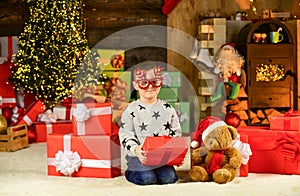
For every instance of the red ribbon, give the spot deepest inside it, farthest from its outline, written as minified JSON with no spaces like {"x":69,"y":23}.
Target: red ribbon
{"x":288,"y":145}
{"x":10,"y":49}
{"x":291,"y":113}
{"x":215,"y":162}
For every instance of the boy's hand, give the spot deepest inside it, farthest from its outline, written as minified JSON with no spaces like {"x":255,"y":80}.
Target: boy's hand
{"x":140,"y":154}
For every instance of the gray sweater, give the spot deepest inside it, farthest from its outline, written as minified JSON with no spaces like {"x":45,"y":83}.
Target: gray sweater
{"x":140,"y":120}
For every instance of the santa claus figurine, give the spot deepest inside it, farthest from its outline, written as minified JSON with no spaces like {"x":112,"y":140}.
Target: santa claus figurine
{"x":229,"y":65}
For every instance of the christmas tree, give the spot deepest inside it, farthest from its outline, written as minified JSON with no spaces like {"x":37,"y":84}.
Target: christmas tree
{"x":51,"y":48}
{"x":89,"y":77}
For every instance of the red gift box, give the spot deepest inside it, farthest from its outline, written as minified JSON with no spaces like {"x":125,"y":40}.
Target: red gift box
{"x":97,"y":156}
{"x":165,"y":150}
{"x":244,"y":148}
{"x":92,"y":119}
{"x":9,"y":46}
{"x":62,"y":112}
{"x":42,"y":129}
{"x":32,"y":113}
{"x":273,"y":151}
{"x":285,"y":123}
{"x":7,"y":92}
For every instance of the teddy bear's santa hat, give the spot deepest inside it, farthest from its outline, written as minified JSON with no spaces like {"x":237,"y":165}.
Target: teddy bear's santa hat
{"x":205,"y":126}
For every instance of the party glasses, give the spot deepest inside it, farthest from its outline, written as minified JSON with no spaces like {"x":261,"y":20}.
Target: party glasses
{"x":155,"y":82}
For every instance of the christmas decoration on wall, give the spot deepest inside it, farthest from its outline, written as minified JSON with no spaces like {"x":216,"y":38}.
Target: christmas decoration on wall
{"x":51,"y":47}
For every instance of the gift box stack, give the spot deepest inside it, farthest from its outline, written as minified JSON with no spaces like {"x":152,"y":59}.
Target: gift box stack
{"x":171,"y":85}
{"x":172,"y":82}
{"x":275,"y":148}
{"x":93,"y":147}
{"x":17,"y":109}
{"x":58,"y":120}
{"x":117,"y":88}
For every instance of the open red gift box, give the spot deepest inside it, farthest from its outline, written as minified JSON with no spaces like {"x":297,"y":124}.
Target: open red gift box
{"x":97,"y":156}
{"x":164,"y":150}
{"x":32,"y":113}
{"x":273,"y":151}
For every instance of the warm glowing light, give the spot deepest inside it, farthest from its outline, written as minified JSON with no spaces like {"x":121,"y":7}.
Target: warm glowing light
{"x":52,"y":46}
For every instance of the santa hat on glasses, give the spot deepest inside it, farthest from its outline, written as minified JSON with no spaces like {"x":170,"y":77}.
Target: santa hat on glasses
{"x":206,"y":125}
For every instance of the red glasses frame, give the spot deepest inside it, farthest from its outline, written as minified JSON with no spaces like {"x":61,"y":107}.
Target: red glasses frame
{"x":155,"y":82}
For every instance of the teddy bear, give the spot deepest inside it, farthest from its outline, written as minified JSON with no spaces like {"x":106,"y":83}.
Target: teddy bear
{"x":229,"y":66}
{"x":213,"y":157}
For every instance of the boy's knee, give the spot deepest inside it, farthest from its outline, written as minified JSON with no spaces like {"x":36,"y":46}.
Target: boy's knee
{"x":141,"y":178}
{"x":147,"y":178}
{"x":167,"y":175}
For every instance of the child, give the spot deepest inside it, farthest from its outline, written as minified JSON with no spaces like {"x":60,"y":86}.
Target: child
{"x":147,"y":116}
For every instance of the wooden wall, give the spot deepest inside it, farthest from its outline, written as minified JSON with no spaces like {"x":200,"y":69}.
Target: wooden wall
{"x":106,"y":17}
{"x":102,"y":19}
{"x":186,"y":15}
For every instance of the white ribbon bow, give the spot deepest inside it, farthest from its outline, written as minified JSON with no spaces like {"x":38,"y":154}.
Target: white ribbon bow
{"x":243,"y":148}
{"x":81,"y":113}
{"x":48,"y":117}
{"x":67,"y":162}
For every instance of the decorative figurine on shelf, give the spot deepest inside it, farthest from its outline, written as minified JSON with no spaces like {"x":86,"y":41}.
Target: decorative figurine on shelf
{"x":238,"y":16}
{"x":229,"y":65}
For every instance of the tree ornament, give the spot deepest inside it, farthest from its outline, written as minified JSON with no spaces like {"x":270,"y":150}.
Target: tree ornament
{"x":232,"y":119}
{"x":3,"y":124}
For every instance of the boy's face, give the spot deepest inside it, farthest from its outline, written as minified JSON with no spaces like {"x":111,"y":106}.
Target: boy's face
{"x":148,"y":88}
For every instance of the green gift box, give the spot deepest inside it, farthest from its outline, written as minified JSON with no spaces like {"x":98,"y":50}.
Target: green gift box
{"x":124,"y":83}
{"x":183,"y":112}
{"x":172,"y":79}
{"x":168,"y":94}
{"x":111,"y":60}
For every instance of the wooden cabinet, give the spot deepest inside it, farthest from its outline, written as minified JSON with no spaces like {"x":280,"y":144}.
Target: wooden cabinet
{"x":270,"y":67}
{"x":294,"y":27}
{"x":268,"y":86}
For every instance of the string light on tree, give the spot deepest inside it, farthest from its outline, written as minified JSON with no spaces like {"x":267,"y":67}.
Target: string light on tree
{"x":89,"y":76}
{"x":51,"y":48}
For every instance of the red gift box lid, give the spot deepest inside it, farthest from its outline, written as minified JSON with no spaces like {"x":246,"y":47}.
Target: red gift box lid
{"x":165,"y":150}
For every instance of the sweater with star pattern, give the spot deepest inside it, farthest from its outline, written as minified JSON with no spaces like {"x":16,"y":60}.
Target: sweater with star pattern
{"x":140,"y":120}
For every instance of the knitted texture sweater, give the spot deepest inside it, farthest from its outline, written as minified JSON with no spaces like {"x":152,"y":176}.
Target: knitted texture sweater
{"x":140,"y":120}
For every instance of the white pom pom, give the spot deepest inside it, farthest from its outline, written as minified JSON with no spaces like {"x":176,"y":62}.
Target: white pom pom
{"x":194,"y":144}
